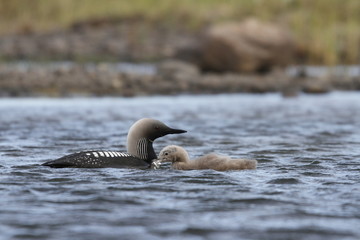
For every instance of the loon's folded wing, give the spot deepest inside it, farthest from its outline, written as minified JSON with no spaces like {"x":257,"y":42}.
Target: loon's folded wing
{"x":98,"y":159}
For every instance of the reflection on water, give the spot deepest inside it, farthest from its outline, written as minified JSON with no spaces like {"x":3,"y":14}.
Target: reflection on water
{"x":321,"y":71}
{"x":150,"y":69}
{"x":140,"y":68}
{"x":307,"y":184}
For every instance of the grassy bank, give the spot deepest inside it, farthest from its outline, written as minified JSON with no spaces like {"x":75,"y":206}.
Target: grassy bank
{"x":327,"y":31}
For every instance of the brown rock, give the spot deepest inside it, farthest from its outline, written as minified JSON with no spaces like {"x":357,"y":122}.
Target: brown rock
{"x":177,"y":69}
{"x":316,"y":85}
{"x":250,"y":46}
{"x":177,"y":76}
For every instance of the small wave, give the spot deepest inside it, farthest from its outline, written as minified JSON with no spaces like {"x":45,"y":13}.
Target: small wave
{"x":260,"y":201}
{"x":307,"y":233}
{"x":284,"y":181}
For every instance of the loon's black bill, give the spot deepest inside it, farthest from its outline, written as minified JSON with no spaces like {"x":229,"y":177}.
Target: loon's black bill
{"x":176,"y":131}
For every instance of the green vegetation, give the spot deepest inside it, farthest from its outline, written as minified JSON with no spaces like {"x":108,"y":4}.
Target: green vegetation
{"x":327,"y":31}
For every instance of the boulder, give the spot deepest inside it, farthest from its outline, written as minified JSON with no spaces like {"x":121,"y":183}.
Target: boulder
{"x":177,"y":70}
{"x":249,"y":46}
{"x":178,"y":76}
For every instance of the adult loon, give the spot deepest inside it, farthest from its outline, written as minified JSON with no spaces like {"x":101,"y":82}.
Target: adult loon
{"x":140,"y":151}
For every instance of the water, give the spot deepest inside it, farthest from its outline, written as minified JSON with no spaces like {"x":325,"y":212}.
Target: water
{"x":324,"y":71}
{"x":124,"y":67}
{"x":150,"y":69}
{"x":307,"y":185}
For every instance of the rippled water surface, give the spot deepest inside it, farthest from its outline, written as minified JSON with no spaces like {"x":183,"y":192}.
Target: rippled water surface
{"x":307,"y":185}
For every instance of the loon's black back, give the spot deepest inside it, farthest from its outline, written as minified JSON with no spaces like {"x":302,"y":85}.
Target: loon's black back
{"x":98,"y":159}
{"x":139,"y":145}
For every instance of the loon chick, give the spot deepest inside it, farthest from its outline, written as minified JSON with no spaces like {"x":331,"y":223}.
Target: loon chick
{"x":180,"y":160}
{"x":140,"y":151}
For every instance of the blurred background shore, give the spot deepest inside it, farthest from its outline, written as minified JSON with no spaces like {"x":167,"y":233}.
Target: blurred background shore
{"x":144,"y":47}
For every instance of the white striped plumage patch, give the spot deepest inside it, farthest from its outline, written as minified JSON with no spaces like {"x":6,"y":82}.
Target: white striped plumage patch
{"x":111,"y":154}
{"x":142,"y":150}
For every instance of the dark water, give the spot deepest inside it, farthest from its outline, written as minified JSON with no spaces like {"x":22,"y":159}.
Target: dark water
{"x":150,"y":69}
{"x":307,"y":185}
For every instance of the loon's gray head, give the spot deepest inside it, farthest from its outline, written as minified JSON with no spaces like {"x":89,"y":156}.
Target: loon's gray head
{"x":142,"y":134}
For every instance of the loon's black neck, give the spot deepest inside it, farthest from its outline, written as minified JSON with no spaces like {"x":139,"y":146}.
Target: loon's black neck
{"x":145,"y":150}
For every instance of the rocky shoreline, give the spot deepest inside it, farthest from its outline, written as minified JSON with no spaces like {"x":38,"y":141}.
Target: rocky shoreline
{"x":168,"y":77}
{"x":126,"y":40}
{"x":249,"y":56}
